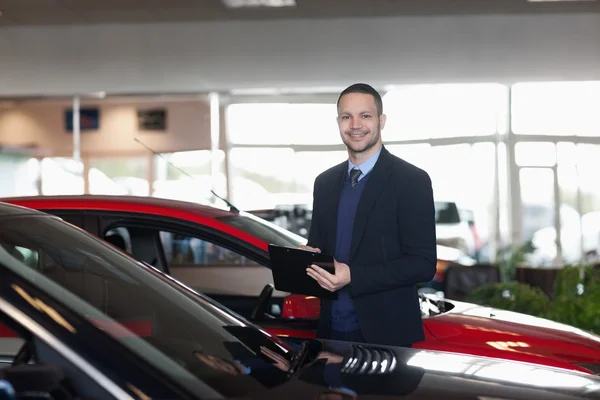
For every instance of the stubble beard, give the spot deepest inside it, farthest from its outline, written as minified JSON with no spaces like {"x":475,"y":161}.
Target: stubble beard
{"x":355,"y":152}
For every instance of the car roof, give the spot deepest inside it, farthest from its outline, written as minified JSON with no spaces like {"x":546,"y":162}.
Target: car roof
{"x":108,"y":202}
{"x":203,"y":214}
{"x":11,"y":210}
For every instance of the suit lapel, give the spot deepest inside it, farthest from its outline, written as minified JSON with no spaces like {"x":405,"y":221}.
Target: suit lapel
{"x":373,"y":188}
{"x":334,"y":202}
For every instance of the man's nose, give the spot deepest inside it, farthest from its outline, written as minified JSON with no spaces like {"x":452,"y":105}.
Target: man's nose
{"x":356,"y":123}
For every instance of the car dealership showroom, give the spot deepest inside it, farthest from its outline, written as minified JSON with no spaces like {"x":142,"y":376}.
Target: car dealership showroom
{"x":312,"y":199}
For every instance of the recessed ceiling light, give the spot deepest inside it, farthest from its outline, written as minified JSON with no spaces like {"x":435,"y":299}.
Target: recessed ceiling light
{"x":258,"y":3}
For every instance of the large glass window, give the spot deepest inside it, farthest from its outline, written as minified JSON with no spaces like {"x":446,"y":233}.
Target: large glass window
{"x":442,"y":111}
{"x":62,"y":176}
{"x":537,"y":197}
{"x":187,"y":176}
{"x":111,"y":175}
{"x":577,"y":172}
{"x":535,"y":154}
{"x":259,"y":173}
{"x":463,"y":179}
{"x":556,"y":108}
{"x":20,"y":175}
{"x":282,"y":124}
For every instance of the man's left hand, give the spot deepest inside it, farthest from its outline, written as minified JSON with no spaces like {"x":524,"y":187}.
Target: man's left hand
{"x":328,"y":281}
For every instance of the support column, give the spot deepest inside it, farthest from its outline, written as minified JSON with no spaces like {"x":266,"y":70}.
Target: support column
{"x":515,"y":209}
{"x":496,"y":242}
{"x":151,"y":173}
{"x":40,"y":182}
{"x":557,"y":221}
{"x":86,"y":174}
{"x":580,"y":212}
{"x":215,"y":130}
{"x":77,"y":142}
{"x":76,"y":130}
{"x":227,"y":149}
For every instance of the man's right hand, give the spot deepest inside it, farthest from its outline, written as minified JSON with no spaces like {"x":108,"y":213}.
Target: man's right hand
{"x":308,"y":248}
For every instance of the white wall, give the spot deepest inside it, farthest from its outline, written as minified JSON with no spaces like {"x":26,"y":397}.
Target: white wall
{"x":222,"y":55}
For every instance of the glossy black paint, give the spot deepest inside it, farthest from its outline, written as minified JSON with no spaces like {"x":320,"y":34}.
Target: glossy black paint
{"x":9,"y":209}
{"x":111,"y":358}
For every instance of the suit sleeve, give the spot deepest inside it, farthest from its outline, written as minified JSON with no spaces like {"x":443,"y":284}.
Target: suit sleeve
{"x":416,"y":229}
{"x":314,"y":234}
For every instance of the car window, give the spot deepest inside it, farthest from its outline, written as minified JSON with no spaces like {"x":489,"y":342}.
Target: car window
{"x":184,"y":250}
{"x":120,"y":238}
{"x":22,"y":347}
{"x":30,"y":257}
{"x":264,"y":230}
{"x":446,"y":213}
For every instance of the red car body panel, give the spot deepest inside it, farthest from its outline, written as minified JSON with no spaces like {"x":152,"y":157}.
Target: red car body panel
{"x":467,"y":328}
{"x":201,"y":214}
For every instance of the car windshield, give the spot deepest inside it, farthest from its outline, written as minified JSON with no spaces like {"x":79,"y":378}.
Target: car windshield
{"x":446,"y":213}
{"x":264,"y":230}
{"x":175,"y":329}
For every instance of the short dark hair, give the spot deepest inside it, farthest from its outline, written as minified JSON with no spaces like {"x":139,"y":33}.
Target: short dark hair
{"x":364,"y":89}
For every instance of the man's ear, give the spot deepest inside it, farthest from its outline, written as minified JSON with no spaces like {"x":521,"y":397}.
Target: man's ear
{"x":382,"y":120}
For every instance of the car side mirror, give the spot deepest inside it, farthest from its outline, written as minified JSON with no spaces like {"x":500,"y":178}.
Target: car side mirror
{"x":297,"y":306}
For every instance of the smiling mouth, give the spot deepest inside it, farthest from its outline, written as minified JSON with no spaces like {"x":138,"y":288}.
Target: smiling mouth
{"x":357,"y":135}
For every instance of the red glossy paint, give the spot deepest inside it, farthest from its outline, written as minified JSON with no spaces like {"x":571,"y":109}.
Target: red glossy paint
{"x":200,"y":214}
{"x":476,"y":330}
{"x":6,"y":333}
{"x":467,"y":328}
{"x":301,"y":307}
{"x":438,"y":345}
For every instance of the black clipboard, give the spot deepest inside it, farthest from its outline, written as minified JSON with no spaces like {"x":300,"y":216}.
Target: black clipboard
{"x":288,"y":266}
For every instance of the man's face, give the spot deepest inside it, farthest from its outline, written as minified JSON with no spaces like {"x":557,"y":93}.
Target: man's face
{"x":359,"y":123}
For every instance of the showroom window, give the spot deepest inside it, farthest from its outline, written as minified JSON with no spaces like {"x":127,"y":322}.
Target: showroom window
{"x":443,"y":111}
{"x":282,"y":124}
{"x":114,"y":175}
{"x":556,"y":108}
{"x":173,"y":170}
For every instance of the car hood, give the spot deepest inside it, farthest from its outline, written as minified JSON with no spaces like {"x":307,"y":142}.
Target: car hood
{"x":350,"y":370}
{"x":448,"y":231}
{"x":475,"y":325}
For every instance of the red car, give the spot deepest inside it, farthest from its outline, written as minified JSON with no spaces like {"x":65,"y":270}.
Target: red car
{"x":223,"y":253}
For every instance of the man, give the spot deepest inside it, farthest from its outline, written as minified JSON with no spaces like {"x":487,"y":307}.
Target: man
{"x":375,"y":214}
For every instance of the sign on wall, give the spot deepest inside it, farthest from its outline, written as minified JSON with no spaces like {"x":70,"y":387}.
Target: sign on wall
{"x":152,"y":120}
{"x":89,"y":119}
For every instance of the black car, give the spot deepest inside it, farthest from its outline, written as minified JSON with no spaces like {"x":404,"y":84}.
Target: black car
{"x":79,"y":319}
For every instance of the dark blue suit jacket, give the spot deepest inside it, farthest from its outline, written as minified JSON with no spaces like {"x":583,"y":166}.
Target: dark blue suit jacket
{"x":393,"y":247}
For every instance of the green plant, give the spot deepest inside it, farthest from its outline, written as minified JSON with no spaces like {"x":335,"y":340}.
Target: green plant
{"x":577,"y":298}
{"x":576,"y":301}
{"x":512,"y":296}
{"x":510,"y":257}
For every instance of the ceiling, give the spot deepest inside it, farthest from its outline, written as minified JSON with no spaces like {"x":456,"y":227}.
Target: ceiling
{"x":62,"y":12}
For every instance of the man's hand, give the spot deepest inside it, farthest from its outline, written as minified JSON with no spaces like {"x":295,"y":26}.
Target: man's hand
{"x":328,"y":281}
{"x":278,"y":361}
{"x":308,"y":248}
{"x":330,"y":358}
